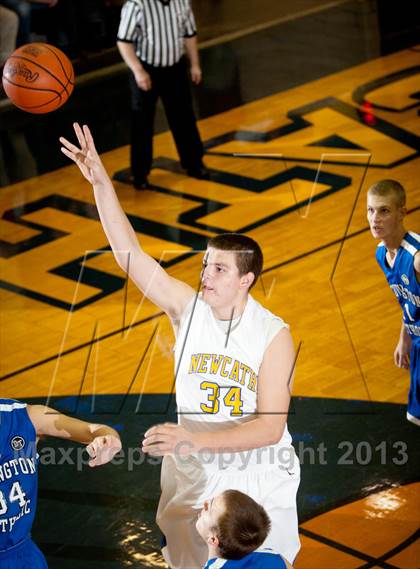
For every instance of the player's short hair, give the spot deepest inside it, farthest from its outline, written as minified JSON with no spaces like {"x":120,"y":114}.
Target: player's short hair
{"x":249,"y":257}
{"x":243,"y":527}
{"x":389,"y":187}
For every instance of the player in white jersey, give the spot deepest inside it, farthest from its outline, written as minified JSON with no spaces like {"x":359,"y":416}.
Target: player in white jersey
{"x":234,"y":366}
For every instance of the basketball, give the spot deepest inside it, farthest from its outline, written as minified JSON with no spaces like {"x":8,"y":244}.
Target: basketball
{"x":38,"y":78}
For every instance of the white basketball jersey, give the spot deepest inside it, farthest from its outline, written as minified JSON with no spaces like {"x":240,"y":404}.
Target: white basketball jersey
{"x":217,"y":365}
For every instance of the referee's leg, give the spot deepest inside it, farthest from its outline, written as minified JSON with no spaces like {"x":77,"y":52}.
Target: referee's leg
{"x":177,"y":100}
{"x":143,"y":105}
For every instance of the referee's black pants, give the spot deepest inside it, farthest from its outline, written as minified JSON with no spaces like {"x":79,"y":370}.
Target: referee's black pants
{"x":171,"y":84}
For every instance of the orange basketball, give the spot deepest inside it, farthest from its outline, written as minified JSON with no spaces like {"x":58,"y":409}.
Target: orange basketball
{"x":38,"y":78}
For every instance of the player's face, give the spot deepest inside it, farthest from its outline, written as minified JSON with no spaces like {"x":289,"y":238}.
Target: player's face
{"x":209,"y":516}
{"x":384,"y":215}
{"x":220,"y":278}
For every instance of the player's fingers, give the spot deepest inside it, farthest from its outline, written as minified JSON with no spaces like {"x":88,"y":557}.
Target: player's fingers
{"x":90,"y":449}
{"x":84,"y":163}
{"x":80,"y":136}
{"x":89,"y":139}
{"x":160,"y":429}
{"x":72,"y":147}
{"x":92,"y":463}
{"x":100,"y":444}
{"x":153,"y":439}
{"x":151,"y":431}
{"x":157,"y":450}
{"x":158,"y":442}
{"x":69,"y":154}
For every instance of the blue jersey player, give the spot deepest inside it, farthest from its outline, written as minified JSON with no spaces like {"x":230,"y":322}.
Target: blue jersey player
{"x":20,"y":427}
{"x":234,"y":527}
{"x":398,"y":255}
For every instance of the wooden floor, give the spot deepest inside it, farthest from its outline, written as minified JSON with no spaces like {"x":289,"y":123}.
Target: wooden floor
{"x":305,"y":204}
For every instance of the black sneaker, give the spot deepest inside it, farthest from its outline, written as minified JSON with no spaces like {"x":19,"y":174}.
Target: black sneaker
{"x":201,"y":173}
{"x":141,"y":184}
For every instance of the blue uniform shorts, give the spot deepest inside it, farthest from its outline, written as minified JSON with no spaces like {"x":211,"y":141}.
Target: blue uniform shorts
{"x":25,"y":555}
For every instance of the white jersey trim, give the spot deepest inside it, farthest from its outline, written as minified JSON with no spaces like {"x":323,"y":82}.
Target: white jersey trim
{"x":217,"y":564}
{"x":413,"y":419}
{"x":11,"y":407}
{"x":415,"y":236}
{"x":408,"y":247}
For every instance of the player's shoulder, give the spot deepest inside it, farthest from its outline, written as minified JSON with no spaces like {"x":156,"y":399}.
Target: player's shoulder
{"x":262,"y":559}
{"x":411,"y":242}
{"x":380,"y":252}
{"x":268,"y":559}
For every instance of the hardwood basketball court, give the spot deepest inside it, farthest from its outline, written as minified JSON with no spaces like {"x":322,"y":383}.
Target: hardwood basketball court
{"x":291,"y":170}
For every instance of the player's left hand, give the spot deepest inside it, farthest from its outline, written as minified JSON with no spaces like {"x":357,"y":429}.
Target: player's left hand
{"x":196,"y":74}
{"x":103,"y":449}
{"x":168,"y":438}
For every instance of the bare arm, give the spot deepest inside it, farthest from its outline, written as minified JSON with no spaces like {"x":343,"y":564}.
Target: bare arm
{"x":274,"y":392}
{"x":170,"y":294}
{"x":402,"y":351}
{"x":103,"y":441}
{"x":191,"y":47}
{"x":128,"y":53}
{"x":417,"y":265}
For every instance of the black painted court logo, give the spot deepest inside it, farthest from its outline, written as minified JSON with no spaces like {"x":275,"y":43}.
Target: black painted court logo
{"x":17,"y":443}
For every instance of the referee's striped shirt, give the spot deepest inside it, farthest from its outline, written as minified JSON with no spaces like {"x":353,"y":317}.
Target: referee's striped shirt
{"x":157,"y":28}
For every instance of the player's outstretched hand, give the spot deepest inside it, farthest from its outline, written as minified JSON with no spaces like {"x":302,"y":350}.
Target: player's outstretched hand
{"x":86,"y":157}
{"x":168,"y":438}
{"x":103,"y":449}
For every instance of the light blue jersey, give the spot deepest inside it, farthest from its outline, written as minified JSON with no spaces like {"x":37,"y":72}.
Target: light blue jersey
{"x":403,"y":281}
{"x":18,"y":487}
{"x":263,"y":559}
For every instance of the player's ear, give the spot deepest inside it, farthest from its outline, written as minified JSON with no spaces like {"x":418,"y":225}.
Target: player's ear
{"x":213,"y":540}
{"x":403,"y":212}
{"x":247,"y":280}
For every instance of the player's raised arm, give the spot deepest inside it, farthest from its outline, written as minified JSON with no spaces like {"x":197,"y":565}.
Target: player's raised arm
{"x":102,"y":442}
{"x":166,"y":292}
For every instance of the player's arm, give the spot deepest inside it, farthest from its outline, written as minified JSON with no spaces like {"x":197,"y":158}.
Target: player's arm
{"x":417,"y":265}
{"x":274,"y":392}
{"x":102,"y":442}
{"x":402,"y":351}
{"x":166,"y":292}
